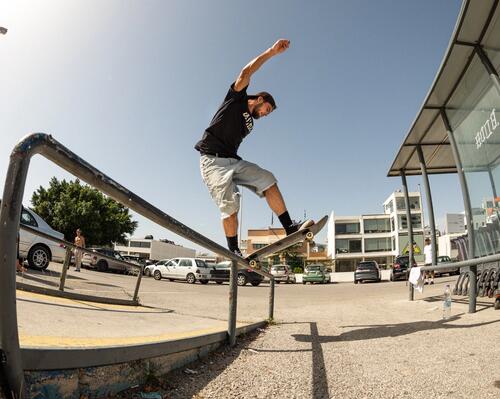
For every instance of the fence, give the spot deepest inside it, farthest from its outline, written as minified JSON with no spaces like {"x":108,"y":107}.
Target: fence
{"x":47,"y":146}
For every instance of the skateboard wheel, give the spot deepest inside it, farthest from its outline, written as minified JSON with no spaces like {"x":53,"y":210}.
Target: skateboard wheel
{"x":253,"y":264}
{"x":309,"y":235}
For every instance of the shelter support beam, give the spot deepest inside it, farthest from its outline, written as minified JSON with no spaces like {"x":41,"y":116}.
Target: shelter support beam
{"x":468,"y":210}
{"x":489,"y":67}
{"x":411,"y":290}
{"x":430,"y":205}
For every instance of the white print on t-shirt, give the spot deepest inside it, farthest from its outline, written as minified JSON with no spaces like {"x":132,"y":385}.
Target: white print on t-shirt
{"x":248,"y":121}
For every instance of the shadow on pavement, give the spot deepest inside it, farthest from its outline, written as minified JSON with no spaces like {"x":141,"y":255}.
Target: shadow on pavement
{"x":40,"y":280}
{"x":465,"y":301}
{"x":90,"y":306}
{"x":389,"y":330}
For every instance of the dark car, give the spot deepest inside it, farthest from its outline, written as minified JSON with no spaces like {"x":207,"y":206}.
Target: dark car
{"x":449,"y":270}
{"x":367,"y":271}
{"x":220,"y":273}
{"x":400,"y":267}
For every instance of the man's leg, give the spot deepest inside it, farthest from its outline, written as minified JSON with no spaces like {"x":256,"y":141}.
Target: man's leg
{"x":275,"y":200}
{"x":277,"y":204}
{"x":230,"y":225}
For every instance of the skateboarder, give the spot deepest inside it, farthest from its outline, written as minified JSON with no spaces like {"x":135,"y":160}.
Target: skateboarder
{"x":223,"y":170}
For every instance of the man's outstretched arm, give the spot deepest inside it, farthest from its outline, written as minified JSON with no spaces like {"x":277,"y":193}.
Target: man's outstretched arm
{"x":252,"y":67}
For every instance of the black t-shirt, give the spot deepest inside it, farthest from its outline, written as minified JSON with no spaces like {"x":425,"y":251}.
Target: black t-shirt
{"x":230,"y":125}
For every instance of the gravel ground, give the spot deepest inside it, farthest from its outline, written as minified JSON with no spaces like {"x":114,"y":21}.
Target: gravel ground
{"x":373,"y":346}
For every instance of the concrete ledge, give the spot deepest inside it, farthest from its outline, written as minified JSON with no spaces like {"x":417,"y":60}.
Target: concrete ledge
{"x":73,"y":295}
{"x":64,"y":358}
{"x":100,"y":372}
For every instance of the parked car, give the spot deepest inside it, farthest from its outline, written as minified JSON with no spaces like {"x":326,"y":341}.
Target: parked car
{"x":188,"y":269}
{"x":449,"y":270}
{"x":367,"y":271}
{"x":96,"y":260}
{"x":39,"y":251}
{"x":316,"y":273}
{"x":148,"y":269}
{"x":283,"y":273}
{"x":399,"y":268}
{"x":221,"y":271}
{"x":134,"y":259}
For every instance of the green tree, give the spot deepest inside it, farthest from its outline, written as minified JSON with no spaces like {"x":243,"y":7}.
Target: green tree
{"x":67,"y":206}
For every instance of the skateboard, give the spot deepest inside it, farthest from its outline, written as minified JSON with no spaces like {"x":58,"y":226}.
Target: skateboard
{"x":306,"y":234}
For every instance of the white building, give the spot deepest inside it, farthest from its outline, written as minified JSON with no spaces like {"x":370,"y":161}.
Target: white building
{"x":379,"y":237}
{"x":154,"y":249}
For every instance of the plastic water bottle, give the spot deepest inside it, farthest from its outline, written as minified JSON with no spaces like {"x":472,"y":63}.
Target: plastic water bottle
{"x":447,"y":302}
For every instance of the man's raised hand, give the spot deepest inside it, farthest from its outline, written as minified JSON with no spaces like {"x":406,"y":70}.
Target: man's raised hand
{"x":280,"y":46}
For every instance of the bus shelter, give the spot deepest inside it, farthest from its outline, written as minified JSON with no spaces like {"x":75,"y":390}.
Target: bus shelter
{"x":457,"y":131}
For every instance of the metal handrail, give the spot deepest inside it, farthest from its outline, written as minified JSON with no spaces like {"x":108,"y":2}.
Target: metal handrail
{"x":464,"y":263}
{"x":45,"y":145}
{"x":70,"y":245}
{"x":73,"y":246}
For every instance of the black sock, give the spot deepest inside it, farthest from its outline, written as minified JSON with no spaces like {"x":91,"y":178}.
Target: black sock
{"x":232,"y":242}
{"x":285,"y":220}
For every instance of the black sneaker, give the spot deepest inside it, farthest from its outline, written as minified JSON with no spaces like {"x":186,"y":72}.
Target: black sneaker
{"x":296,"y":226}
{"x":237,"y":252}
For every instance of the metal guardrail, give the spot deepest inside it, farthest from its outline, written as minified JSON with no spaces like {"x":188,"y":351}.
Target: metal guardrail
{"x":71,"y":246}
{"x":45,"y":145}
{"x":464,"y":263}
{"x":470,"y":263}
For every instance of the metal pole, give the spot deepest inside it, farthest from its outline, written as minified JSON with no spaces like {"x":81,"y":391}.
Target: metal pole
{"x":138,"y":284}
{"x":10,"y":353}
{"x":65,"y":268}
{"x":489,"y":66}
{"x":241,"y":220}
{"x":467,"y":208}
{"x":411,"y":290}
{"x":233,"y":303}
{"x":493,"y":186}
{"x":47,"y":146}
{"x":430,"y":206}
{"x":271,"y":299}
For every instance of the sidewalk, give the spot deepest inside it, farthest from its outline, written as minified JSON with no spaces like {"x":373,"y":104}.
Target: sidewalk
{"x":373,"y":343}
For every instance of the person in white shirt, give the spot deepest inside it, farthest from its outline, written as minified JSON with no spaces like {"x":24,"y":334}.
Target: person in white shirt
{"x":429,"y":275}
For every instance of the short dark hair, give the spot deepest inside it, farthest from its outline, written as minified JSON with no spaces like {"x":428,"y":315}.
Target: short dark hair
{"x":266,"y":97}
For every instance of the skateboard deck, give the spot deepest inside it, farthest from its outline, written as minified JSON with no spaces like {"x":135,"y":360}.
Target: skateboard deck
{"x":306,"y":234}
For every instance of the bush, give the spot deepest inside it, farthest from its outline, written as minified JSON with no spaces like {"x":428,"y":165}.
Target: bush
{"x":298,"y":270}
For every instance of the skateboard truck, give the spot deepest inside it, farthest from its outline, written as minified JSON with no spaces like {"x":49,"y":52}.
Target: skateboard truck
{"x":254,"y":264}
{"x":309,"y":236}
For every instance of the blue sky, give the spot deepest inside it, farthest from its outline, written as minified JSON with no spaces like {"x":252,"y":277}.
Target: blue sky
{"x":130,"y":87}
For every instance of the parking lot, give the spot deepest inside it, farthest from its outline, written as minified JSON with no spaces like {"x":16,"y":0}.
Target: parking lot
{"x":336,"y":340}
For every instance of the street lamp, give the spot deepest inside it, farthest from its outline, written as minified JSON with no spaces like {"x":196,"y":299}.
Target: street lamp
{"x":3,"y":30}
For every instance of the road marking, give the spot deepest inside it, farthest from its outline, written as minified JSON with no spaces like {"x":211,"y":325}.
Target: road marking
{"x":91,"y":342}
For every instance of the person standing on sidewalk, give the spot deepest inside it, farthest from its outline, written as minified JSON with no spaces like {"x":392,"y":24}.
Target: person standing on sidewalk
{"x":223,"y":170}
{"x":429,"y":274}
{"x":79,"y":243}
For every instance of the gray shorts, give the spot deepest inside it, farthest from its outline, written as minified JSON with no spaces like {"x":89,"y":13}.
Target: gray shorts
{"x":223,"y":176}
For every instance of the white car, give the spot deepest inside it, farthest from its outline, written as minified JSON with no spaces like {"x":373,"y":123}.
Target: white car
{"x":39,"y":251}
{"x":188,"y":269}
{"x":283,"y":273}
{"x":148,"y":269}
